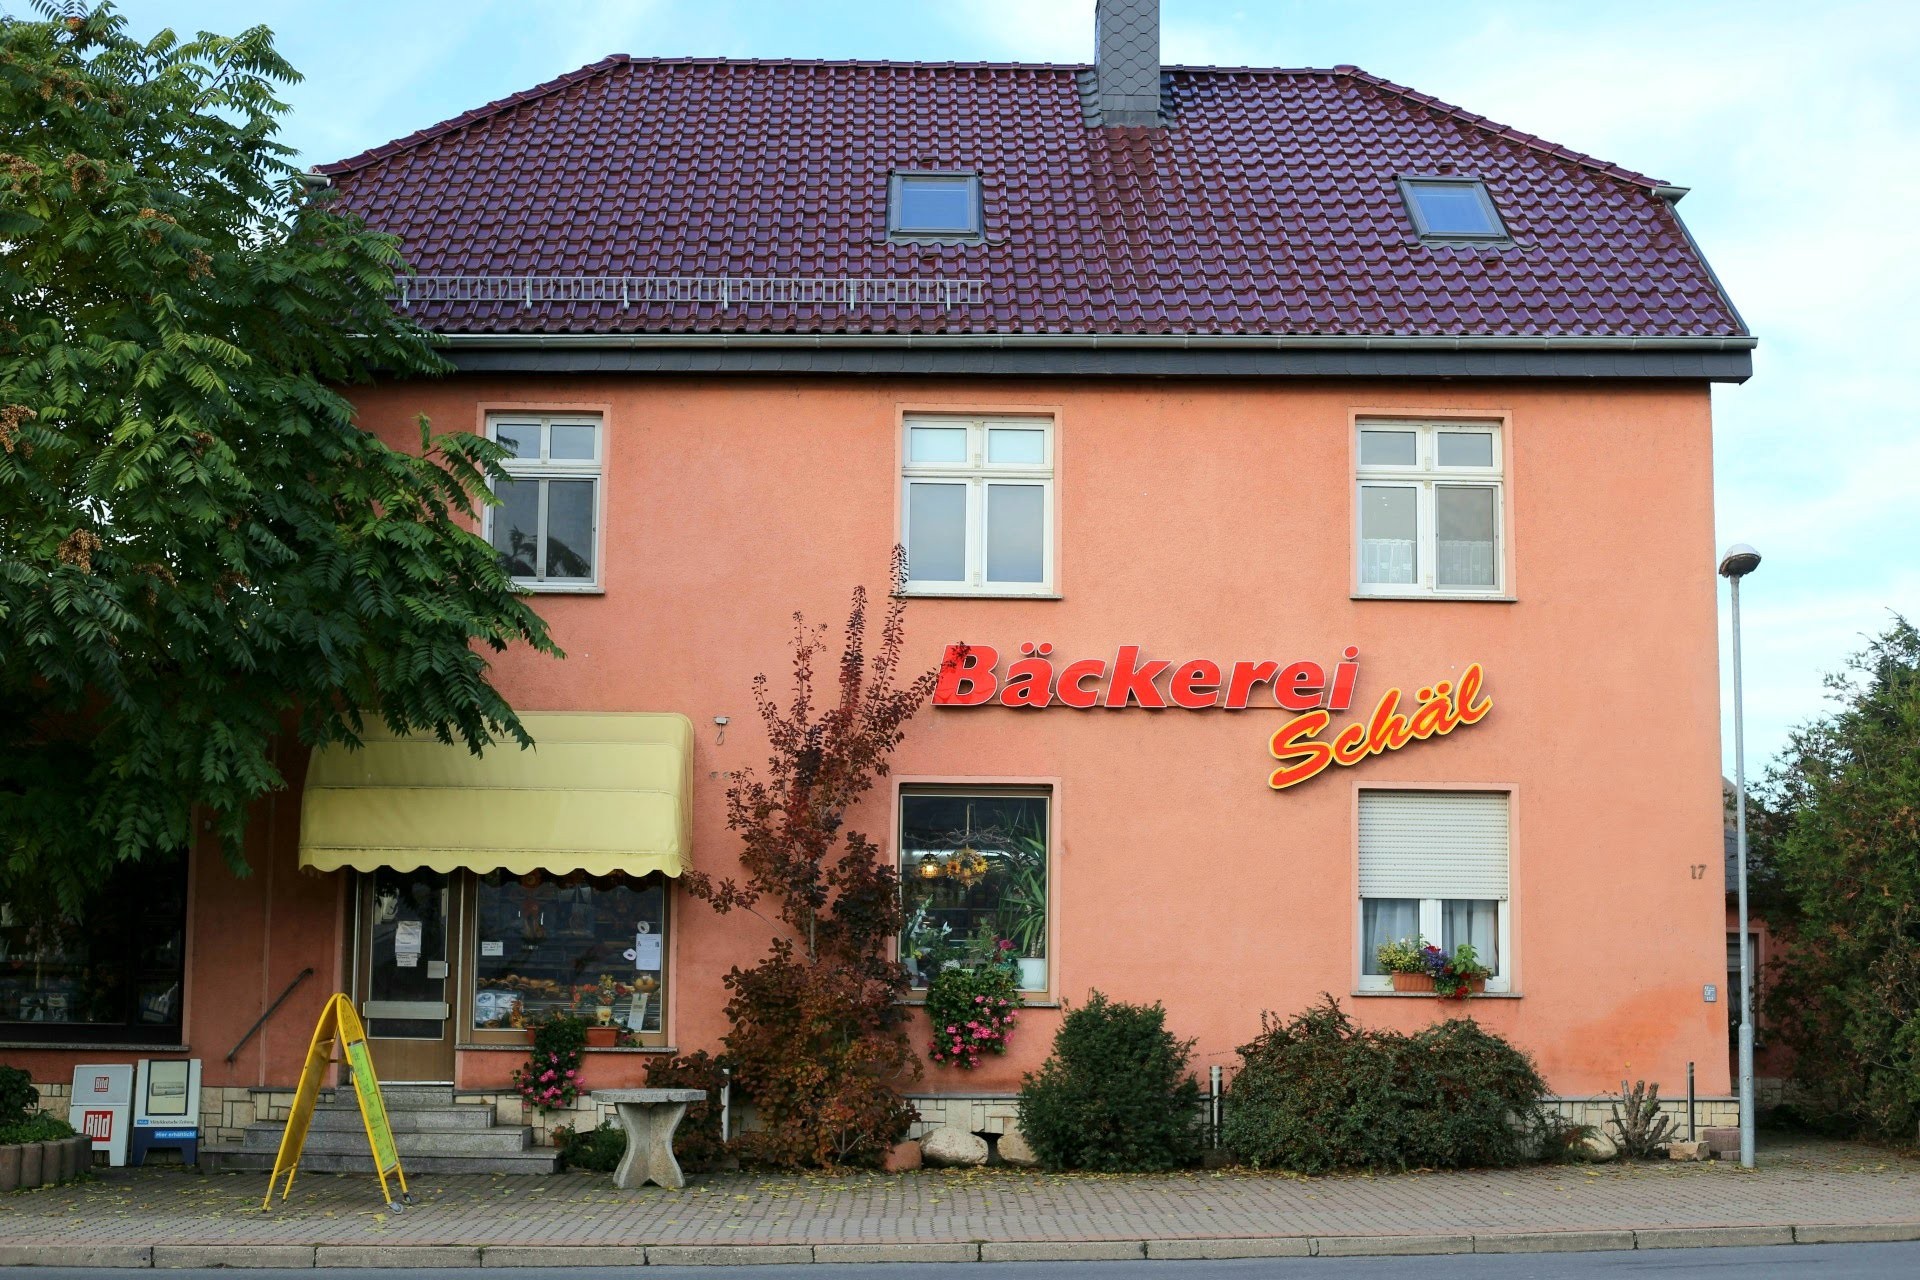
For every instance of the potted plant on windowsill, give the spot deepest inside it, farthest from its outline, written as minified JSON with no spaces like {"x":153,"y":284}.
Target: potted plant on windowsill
{"x":1404,"y":960}
{"x":602,"y":1031}
{"x":1457,"y":976}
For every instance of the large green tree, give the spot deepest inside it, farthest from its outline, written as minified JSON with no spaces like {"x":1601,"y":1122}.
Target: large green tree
{"x":200,"y":549}
{"x":1840,"y":836}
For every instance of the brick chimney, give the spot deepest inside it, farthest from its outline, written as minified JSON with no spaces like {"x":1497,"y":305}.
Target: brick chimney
{"x":1126,"y":61}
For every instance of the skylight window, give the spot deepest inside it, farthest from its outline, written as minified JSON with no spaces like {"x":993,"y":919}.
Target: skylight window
{"x":934,"y":204}
{"x":1452,"y":209}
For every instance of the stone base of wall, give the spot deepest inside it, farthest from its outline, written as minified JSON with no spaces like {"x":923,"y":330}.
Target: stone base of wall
{"x":975,"y":1113}
{"x":1708,"y":1113}
{"x":226,"y":1111}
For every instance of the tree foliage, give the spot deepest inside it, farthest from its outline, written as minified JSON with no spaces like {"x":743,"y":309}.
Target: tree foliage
{"x":818,"y":1034}
{"x":198,"y":545}
{"x":1841,"y":833}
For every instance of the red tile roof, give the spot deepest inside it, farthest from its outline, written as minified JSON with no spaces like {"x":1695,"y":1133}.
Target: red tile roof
{"x":1266,"y":206}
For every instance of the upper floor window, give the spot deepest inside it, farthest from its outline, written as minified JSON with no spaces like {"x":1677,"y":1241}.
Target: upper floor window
{"x":934,"y":204}
{"x":546,"y":527}
{"x":977,"y":505}
{"x":1452,"y":209}
{"x":1430,"y":499}
{"x":1434,"y":868}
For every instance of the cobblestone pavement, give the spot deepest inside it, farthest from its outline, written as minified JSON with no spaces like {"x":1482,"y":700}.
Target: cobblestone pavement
{"x":1797,"y":1183}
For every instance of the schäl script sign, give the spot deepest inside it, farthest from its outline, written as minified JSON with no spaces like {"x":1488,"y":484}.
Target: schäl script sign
{"x":1305,"y":746}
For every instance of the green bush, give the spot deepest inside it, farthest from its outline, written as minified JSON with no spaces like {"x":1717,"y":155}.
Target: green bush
{"x":36,"y":1128}
{"x":596,"y":1150}
{"x":18,"y":1097}
{"x":1317,"y":1092}
{"x":1115,"y":1096}
{"x":696,"y":1143}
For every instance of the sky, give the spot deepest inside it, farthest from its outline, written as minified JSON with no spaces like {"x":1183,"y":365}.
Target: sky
{"x":1796,"y":125}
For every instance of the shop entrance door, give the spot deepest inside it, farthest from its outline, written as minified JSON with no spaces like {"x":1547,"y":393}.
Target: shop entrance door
{"x":408,"y":973}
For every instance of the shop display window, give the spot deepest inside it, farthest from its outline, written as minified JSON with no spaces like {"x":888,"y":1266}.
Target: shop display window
{"x":113,"y":973}
{"x":594,"y":946}
{"x":974,"y":879}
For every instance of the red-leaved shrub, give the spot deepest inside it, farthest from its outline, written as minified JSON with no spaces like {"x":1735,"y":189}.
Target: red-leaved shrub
{"x":818,"y":1035}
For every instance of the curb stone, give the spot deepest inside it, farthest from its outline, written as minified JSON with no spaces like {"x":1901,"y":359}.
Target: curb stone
{"x":1552,"y":1241}
{"x":76,"y":1255}
{"x":563,"y":1255}
{"x":1869,"y":1233}
{"x":233,"y":1255}
{"x":378,"y":1255}
{"x":1247,"y":1247}
{"x":1388,"y":1246}
{"x":1703,"y":1237}
{"x":726,"y":1255}
{"x":1062,"y":1250}
{"x":928,"y":1251}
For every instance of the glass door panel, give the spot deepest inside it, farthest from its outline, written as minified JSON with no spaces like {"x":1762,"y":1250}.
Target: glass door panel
{"x":408,"y":931}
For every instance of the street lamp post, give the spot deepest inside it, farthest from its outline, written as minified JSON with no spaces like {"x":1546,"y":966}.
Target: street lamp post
{"x":1739,"y":561}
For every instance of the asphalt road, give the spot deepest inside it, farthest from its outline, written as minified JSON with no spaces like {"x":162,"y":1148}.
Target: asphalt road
{"x":1824,"y":1261}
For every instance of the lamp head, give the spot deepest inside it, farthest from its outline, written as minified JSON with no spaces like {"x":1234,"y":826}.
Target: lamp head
{"x":1739,"y":561}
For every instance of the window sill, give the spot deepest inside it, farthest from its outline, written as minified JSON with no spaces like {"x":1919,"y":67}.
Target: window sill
{"x":915,"y":594}
{"x":612,"y":1048}
{"x":1463,"y":597}
{"x":559,"y":588}
{"x":1428,"y":995}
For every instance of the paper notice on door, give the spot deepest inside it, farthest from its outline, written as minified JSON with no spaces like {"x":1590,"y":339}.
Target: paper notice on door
{"x":406,"y":944}
{"x":646,"y":952}
{"x":492,"y":948}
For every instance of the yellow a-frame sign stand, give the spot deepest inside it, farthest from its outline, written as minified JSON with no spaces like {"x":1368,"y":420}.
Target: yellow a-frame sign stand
{"x":339,"y":1024}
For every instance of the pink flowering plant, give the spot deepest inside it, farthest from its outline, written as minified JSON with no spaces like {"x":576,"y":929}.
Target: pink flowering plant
{"x":972,"y":1008}
{"x":550,"y":1081}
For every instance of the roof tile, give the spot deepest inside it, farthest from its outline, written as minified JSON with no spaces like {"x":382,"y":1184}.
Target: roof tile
{"x":1267,"y":205}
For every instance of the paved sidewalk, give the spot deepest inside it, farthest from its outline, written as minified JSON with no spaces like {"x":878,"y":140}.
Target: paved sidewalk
{"x":1803,"y":1192}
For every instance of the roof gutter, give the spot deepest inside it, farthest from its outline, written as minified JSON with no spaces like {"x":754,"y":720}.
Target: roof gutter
{"x":1110,"y":341}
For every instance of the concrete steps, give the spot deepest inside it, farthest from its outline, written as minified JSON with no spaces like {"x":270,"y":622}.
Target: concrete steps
{"x":432,"y":1133}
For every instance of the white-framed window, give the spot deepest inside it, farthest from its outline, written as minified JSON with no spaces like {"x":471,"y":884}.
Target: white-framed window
{"x":1434,"y":866}
{"x":547,"y":525}
{"x":976,"y":505}
{"x":1429,"y":509}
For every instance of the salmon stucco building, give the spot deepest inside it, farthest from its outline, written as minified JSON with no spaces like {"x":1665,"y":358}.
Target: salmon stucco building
{"x":1306,"y":483}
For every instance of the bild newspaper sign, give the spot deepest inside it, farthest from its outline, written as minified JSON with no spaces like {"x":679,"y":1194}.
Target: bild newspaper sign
{"x":1304,"y":747}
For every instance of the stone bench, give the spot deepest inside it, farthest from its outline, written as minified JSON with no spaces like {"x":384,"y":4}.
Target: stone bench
{"x":649,"y":1117}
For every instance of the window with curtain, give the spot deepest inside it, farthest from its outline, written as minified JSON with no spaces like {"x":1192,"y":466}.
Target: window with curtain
{"x":1434,"y":865}
{"x":1429,"y":509}
{"x":977,"y":506}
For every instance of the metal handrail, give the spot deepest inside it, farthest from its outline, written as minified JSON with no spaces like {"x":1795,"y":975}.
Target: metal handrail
{"x":262,"y":1019}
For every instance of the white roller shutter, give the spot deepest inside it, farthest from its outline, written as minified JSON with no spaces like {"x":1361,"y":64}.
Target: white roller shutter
{"x":1433,"y":844}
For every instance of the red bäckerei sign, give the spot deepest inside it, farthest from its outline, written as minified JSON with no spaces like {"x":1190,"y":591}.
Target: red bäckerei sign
{"x":1034,"y":681}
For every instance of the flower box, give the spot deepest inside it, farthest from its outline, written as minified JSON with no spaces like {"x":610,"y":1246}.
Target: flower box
{"x":1413,"y":982}
{"x":602,"y":1037}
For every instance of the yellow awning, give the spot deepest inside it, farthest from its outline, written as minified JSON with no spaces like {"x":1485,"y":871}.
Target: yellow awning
{"x":597,"y":793}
